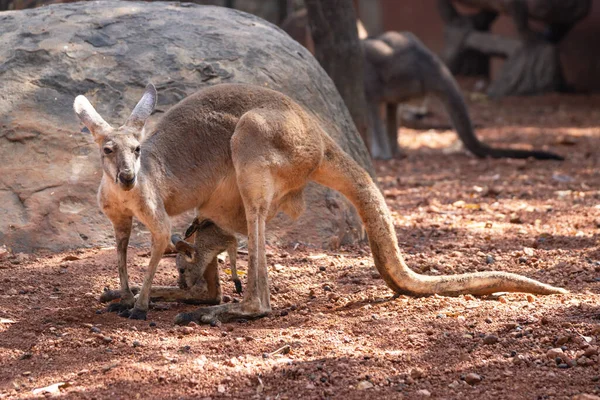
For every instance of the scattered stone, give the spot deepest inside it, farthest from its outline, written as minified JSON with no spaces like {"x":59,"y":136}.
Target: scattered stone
{"x":472,"y":378}
{"x":488,"y":320}
{"x":591,"y":351}
{"x":531,"y":298}
{"x":136,"y":344}
{"x":528,"y":251}
{"x":186,"y":330}
{"x":424,"y":393}
{"x":555,"y":353}
{"x":363,"y":385}
{"x":489,"y":259}
{"x":490,"y":339}
{"x":515,"y":219}
{"x":417,"y":373}
{"x":25,"y":356}
{"x":95,"y":329}
{"x":454,"y":385}
{"x":107,"y":339}
{"x":562,"y":340}
{"x":152,"y":324}
{"x":278,"y":267}
{"x":226,"y":299}
{"x":52,"y":389}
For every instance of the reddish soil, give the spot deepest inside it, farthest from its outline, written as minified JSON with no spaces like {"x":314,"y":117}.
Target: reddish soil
{"x":348,"y":337}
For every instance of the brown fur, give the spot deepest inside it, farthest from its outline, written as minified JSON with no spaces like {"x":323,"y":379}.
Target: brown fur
{"x":238,"y":154}
{"x":197,"y":265}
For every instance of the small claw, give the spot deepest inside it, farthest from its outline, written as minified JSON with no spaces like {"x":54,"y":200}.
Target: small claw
{"x":136,"y":313}
{"x":125,"y":313}
{"x":183,"y":318}
{"x":117,"y":307}
{"x":238,"y":286}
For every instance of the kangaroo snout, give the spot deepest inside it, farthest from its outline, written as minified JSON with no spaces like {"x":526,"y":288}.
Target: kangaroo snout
{"x":127,"y":178}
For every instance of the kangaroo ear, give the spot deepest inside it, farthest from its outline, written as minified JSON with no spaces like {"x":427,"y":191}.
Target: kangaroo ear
{"x":90,"y":118}
{"x":184,"y":248}
{"x":143,"y":109}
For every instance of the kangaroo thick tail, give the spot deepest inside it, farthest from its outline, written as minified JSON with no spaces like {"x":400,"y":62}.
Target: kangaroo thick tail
{"x":340,"y":172}
{"x":481,"y":150}
{"x":446,"y":89}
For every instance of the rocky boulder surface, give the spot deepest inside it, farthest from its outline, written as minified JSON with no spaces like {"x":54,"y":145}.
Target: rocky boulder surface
{"x":109,"y":51}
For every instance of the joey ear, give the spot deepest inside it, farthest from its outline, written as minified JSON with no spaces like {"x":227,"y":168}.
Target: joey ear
{"x":90,"y":117}
{"x":143,"y":109}
{"x":184,"y":248}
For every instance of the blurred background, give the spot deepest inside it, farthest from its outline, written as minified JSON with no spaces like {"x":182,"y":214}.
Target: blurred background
{"x":578,"y":50}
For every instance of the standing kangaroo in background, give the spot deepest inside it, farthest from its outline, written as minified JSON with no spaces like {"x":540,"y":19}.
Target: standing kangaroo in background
{"x":238,"y":154}
{"x":398,"y":67}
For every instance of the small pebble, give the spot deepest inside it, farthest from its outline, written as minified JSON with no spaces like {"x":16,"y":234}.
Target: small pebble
{"x":95,"y":329}
{"x":472,"y":378}
{"x":152,"y":324}
{"x":554,"y":353}
{"x":490,"y":339}
{"x":363,"y":385}
{"x":136,"y":344}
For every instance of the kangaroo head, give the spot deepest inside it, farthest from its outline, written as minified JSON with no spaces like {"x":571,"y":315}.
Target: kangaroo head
{"x":192,"y":259}
{"x":120,"y":148}
{"x":188,"y":264}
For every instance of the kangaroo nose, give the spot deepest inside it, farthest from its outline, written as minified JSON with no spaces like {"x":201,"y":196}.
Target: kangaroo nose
{"x":127,"y":177}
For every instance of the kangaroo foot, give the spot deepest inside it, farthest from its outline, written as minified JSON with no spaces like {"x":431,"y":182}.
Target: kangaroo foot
{"x":223,"y":313}
{"x":110,"y":295}
{"x":120,"y":306}
{"x":134,"y":313}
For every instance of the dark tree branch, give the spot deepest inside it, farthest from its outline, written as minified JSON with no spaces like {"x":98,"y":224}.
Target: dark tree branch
{"x":338,"y":49}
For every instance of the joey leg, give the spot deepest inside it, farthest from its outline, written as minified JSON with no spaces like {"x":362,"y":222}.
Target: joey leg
{"x":232,"y":253}
{"x":122,"y":226}
{"x":257,"y":192}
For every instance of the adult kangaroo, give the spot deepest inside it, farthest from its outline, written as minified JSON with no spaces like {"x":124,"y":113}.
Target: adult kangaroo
{"x":398,"y":67}
{"x":238,"y":154}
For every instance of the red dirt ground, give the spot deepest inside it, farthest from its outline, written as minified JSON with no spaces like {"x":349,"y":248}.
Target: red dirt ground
{"x":349,"y":338}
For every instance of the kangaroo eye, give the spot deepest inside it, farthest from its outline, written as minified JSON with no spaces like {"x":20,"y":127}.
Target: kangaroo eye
{"x":107,"y":150}
{"x":138,"y":149}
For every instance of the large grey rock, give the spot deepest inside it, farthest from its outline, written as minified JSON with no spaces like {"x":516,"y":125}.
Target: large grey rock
{"x":50,"y":170}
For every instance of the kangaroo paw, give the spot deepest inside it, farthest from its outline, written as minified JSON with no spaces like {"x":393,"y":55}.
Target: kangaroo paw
{"x":110,"y":295}
{"x":238,"y":286}
{"x":223,"y":313}
{"x":119,"y":307}
{"x":134,"y":313}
